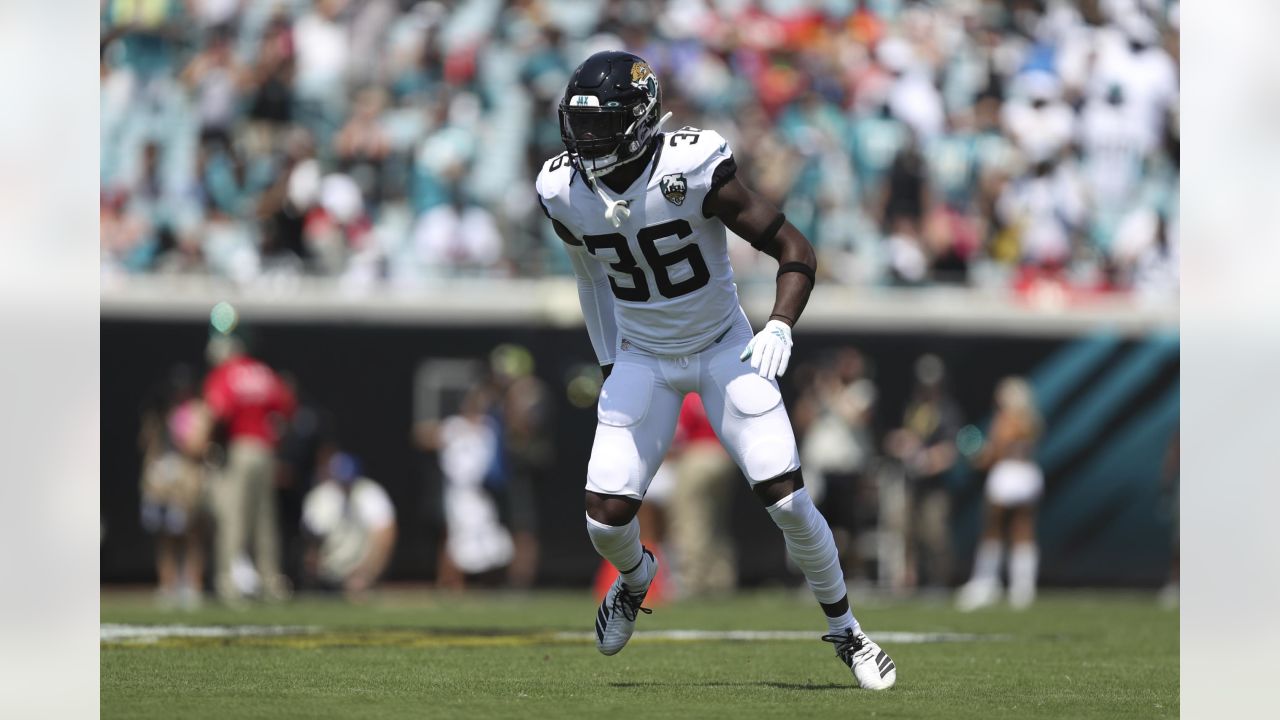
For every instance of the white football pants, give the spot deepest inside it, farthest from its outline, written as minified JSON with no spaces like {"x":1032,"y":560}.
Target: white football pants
{"x":640,"y":402}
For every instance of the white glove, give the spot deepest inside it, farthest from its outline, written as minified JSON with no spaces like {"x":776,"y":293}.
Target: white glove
{"x":770,"y":349}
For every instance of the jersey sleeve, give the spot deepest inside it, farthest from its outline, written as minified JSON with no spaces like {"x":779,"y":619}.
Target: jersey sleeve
{"x":594,"y":294}
{"x":552,"y":185}
{"x":596,"y":299}
{"x":705,"y":160}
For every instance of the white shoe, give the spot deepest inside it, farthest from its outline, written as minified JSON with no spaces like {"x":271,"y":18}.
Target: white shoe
{"x":1021,"y":596}
{"x":871,"y":665}
{"x":977,"y":594}
{"x":616,"y":618}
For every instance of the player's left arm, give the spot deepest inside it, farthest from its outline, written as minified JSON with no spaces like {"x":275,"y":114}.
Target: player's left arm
{"x":756,"y":220}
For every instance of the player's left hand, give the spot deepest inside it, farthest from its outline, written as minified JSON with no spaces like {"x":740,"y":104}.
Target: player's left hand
{"x":770,"y":350}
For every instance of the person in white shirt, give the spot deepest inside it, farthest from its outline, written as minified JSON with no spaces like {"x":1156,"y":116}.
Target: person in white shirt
{"x":323,"y":48}
{"x":352,"y":527}
{"x":456,"y":235}
{"x":1039,"y":122}
{"x":478,"y":546}
{"x":1146,"y":74}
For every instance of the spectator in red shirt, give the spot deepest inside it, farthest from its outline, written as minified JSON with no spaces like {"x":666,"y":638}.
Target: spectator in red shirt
{"x":700,"y":504}
{"x":250,"y":404}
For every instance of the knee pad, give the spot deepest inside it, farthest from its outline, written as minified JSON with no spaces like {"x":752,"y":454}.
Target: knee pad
{"x":615,"y":467}
{"x":769,"y":457}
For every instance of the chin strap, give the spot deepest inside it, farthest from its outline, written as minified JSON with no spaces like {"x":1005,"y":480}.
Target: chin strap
{"x":615,"y":211}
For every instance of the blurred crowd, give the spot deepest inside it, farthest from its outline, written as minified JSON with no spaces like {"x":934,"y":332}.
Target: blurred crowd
{"x":887,"y":489}
{"x":1026,"y":144}
{"x":241,"y":466}
{"x":242,"y":469}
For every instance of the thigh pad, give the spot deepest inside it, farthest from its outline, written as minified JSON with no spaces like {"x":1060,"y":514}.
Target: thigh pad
{"x":625,"y":397}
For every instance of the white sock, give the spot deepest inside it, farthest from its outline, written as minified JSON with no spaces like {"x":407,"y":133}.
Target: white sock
{"x":620,"y":545}
{"x":1024,"y":559}
{"x":837,"y":625}
{"x":986,"y":563}
{"x":813,"y":550}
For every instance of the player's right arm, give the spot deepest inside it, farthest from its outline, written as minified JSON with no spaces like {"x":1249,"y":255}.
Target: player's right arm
{"x":595,"y":297}
{"x":594,"y":293}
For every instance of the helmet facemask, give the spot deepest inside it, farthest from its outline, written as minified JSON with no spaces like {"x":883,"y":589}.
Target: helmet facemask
{"x":600,"y":139}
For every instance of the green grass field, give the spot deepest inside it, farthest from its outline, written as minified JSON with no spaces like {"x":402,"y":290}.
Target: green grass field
{"x":422,"y":655}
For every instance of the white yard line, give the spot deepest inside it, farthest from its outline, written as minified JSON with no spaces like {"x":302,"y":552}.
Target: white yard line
{"x":895,"y":637}
{"x":113,"y":632}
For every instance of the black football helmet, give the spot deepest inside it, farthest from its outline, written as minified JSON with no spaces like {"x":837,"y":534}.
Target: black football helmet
{"x":610,"y":111}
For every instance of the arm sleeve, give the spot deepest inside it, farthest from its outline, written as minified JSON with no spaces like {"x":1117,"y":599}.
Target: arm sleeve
{"x":594,"y":293}
{"x":596,"y":299}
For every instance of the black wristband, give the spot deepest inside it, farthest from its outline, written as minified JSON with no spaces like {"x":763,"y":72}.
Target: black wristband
{"x":769,"y":233}
{"x":799,"y":267}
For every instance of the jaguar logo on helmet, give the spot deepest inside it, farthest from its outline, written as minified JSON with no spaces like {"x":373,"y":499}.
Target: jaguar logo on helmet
{"x":642,"y":77}
{"x":674,"y":188}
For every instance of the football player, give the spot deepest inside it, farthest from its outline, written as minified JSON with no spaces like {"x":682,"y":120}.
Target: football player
{"x":643,"y":214}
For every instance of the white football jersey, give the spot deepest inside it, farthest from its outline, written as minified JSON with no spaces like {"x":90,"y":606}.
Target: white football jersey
{"x":668,"y":264}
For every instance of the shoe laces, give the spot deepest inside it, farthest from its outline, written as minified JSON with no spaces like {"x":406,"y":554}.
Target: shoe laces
{"x":628,"y":603}
{"x":847,"y":645}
